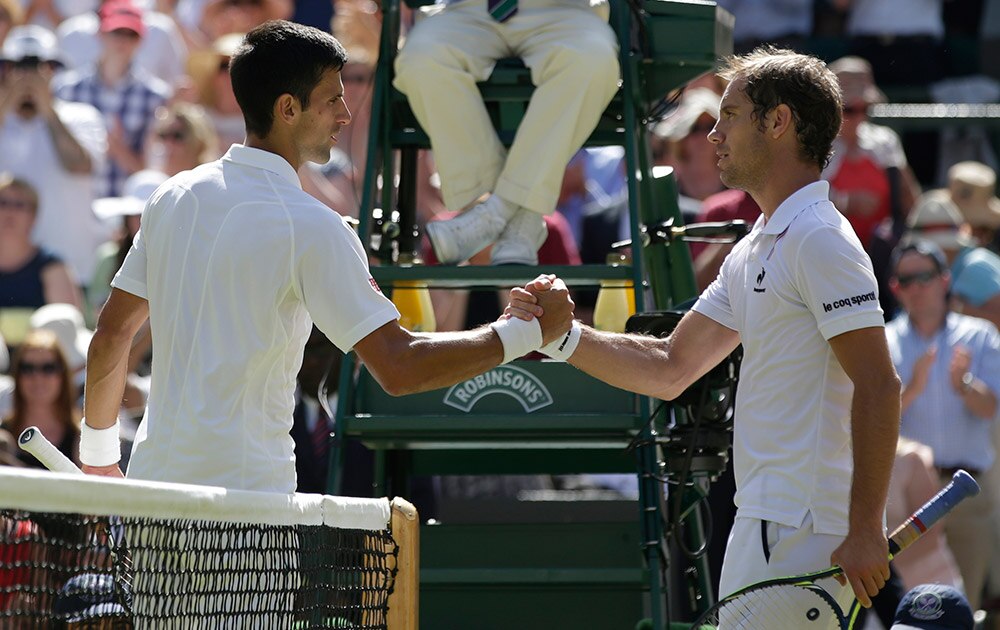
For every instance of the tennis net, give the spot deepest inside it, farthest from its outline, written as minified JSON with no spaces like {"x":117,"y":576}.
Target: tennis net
{"x":108,"y":553}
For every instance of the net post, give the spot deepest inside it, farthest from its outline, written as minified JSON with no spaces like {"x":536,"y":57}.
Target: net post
{"x":404,"y":599}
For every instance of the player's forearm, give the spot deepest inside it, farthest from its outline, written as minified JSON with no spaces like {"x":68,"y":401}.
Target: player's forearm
{"x":107,"y":368}
{"x":433,"y":361}
{"x":635,"y":363}
{"x":875,"y":413}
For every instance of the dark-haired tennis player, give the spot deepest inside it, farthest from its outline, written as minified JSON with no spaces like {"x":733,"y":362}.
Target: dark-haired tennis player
{"x":233,"y":264}
{"x":817,"y":413}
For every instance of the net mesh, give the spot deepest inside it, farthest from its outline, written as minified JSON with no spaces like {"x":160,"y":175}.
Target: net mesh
{"x":109,"y":571}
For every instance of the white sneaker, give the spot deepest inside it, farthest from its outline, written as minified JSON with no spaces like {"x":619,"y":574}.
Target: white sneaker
{"x":460,"y":238}
{"x":519,"y":243}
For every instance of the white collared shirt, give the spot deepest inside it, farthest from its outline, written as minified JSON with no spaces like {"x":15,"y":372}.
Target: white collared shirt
{"x":236,"y":261}
{"x":796,"y":281}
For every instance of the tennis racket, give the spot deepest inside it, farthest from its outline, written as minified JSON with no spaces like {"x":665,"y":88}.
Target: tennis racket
{"x":32,"y":441}
{"x":799,"y":603}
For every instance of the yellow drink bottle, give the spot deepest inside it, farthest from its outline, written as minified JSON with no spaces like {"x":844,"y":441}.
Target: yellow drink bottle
{"x":413,"y":301}
{"x":615,"y":301}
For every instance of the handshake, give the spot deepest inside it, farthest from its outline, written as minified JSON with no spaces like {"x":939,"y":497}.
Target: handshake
{"x":539,"y":317}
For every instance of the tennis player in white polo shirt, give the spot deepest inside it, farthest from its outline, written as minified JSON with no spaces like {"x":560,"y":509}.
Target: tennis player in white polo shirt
{"x":817,"y":413}
{"x":233,"y":264}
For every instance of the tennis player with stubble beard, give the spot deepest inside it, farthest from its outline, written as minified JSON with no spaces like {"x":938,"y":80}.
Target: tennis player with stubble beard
{"x":233,"y":264}
{"x":817,"y":415}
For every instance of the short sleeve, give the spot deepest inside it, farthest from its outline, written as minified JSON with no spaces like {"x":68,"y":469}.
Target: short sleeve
{"x":714,"y":301}
{"x":132,"y":275}
{"x":336,"y":285}
{"x":836,"y":282}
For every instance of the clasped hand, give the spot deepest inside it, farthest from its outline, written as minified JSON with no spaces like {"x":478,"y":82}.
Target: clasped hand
{"x":547,"y":299}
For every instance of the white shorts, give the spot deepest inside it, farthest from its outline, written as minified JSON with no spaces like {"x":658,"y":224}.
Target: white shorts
{"x":759,"y":550}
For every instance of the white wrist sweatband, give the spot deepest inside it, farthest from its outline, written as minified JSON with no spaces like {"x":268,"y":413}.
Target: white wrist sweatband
{"x":517,"y":336}
{"x":562,"y":348}
{"x":99,"y":447}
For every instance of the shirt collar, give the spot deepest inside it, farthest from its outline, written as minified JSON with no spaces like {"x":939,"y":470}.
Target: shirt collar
{"x":258,"y":158}
{"x":791,"y":207}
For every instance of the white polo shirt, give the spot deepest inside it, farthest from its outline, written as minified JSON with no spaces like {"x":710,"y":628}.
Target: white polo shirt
{"x":793,"y":283}
{"x":236,"y":261}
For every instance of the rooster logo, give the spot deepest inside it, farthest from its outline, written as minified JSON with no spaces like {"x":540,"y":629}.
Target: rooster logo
{"x":760,"y":278}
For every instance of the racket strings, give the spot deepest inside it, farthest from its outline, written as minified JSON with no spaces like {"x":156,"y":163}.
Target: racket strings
{"x":777,"y":607}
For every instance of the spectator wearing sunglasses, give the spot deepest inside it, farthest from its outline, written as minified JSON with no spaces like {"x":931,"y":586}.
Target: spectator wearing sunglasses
{"x":44,"y":395}
{"x":30,"y":276}
{"x":950,"y":367}
{"x":867,"y":157}
{"x":125,"y":94}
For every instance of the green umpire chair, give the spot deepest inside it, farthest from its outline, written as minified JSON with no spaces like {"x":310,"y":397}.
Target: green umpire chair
{"x":534,"y":417}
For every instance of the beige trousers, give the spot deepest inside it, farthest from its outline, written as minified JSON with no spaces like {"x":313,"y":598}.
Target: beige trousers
{"x":573,"y":57}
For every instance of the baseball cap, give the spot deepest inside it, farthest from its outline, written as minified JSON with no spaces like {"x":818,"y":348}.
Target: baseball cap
{"x":87,"y":596}
{"x":66,"y":321}
{"x":135,"y":192}
{"x":694,"y":103}
{"x":121,"y":14}
{"x":30,"y":41}
{"x":933,"y":607}
{"x":972,"y":186}
{"x":935,"y":217}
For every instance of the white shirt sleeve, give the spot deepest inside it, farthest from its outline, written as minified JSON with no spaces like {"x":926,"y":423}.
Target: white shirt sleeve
{"x":837,"y":284}
{"x":132,"y":275}
{"x":714,"y":300}
{"x":336,"y":286}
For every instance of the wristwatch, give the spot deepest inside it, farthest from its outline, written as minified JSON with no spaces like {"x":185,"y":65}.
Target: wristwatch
{"x":967,"y":380}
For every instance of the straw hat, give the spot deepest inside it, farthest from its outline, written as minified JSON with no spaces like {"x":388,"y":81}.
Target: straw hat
{"x":936,"y":218}
{"x":972,"y":186}
{"x":203,"y":65}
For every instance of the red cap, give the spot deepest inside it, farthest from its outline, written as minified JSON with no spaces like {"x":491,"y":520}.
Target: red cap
{"x":121,"y":14}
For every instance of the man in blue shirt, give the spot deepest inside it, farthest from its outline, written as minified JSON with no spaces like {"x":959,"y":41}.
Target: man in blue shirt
{"x":950,"y":367}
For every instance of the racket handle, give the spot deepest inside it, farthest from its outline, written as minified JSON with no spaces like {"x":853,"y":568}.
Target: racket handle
{"x":32,"y":441}
{"x":961,"y":486}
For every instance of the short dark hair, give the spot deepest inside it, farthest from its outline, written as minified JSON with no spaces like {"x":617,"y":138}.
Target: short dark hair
{"x":280,"y":57}
{"x":803,"y":83}
{"x":927,"y":249}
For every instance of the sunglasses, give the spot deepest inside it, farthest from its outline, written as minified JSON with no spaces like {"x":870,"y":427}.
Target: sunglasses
{"x":176,"y":136}
{"x":14,"y":204}
{"x":48,"y":369}
{"x":923,"y":278}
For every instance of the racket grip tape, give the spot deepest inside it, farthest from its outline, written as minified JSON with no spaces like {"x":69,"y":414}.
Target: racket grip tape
{"x":32,"y":441}
{"x":961,"y":486}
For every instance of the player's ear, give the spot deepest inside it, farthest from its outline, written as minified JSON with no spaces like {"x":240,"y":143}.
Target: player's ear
{"x":286,"y":108}
{"x":780,"y":121}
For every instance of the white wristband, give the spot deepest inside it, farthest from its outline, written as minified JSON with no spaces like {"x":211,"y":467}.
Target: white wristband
{"x":99,"y":447}
{"x":517,"y":336}
{"x":562,"y":348}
